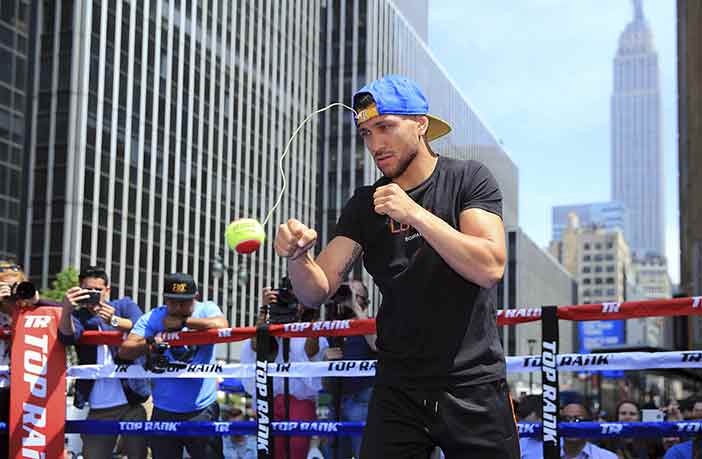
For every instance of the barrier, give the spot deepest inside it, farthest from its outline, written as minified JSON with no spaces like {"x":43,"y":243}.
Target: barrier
{"x":549,"y":363}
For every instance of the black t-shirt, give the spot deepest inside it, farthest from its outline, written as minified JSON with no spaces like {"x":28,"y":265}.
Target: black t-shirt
{"x":435,"y":329}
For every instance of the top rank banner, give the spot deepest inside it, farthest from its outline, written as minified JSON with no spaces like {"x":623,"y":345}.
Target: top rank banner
{"x":38,"y":395}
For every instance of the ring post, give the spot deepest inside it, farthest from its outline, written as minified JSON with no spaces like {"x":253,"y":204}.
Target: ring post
{"x":38,"y":382}
{"x":264,"y":395}
{"x":549,"y":382}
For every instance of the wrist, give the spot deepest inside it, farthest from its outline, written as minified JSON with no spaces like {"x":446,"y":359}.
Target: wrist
{"x":417,"y":217}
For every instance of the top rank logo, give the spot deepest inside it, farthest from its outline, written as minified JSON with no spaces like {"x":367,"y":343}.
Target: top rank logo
{"x":37,"y":321}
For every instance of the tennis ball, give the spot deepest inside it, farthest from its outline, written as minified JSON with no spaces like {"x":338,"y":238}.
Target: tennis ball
{"x":245,"y":235}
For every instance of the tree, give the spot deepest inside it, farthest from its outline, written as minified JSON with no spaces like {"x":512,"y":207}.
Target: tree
{"x":64,"y":280}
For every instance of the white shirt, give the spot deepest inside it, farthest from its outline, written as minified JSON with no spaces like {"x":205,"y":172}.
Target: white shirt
{"x":531,"y":449}
{"x":300,"y":388}
{"x":107,"y":392}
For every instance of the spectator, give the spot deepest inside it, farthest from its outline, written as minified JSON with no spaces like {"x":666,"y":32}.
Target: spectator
{"x":302,"y":392}
{"x":11,"y":275}
{"x":109,"y":398}
{"x":691,"y":449}
{"x":351,"y":395}
{"x":529,"y":410}
{"x":238,"y":446}
{"x":185,"y":399}
{"x":580,"y":448}
{"x":633,"y":448}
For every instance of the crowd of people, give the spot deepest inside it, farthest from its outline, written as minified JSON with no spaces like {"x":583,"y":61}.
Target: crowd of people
{"x":89,"y":306}
{"x":574,"y":409}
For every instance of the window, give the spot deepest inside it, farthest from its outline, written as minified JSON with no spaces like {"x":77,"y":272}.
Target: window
{"x":598,"y":269}
{"x":610,"y":292}
{"x":586,"y":246}
{"x":610,"y":280}
{"x":610,"y":268}
{"x":598,"y":246}
{"x":586,"y":258}
{"x":610,"y":245}
{"x":598,"y":281}
{"x":586,"y":281}
{"x":609,"y":257}
{"x":586,"y":292}
{"x":586,"y":269}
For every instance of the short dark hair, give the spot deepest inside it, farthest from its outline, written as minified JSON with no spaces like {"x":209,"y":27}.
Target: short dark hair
{"x":95,"y":272}
{"x":363,"y":101}
{"x":528,"y":405}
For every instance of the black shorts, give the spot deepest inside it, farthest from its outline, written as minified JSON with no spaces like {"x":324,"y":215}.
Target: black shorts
{"x":468,"y":422}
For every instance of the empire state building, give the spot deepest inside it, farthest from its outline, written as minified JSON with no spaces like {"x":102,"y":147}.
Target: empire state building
{"x":637,"y":151}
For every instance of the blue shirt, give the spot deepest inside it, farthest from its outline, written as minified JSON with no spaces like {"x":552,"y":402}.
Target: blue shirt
{"x":182,"y":395}
{"x":680,"y":451}
{"x":136,"y":390}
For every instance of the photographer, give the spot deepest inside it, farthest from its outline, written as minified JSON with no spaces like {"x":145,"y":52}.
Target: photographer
{"x":184,"y":399}
{"x":281,"y":306}
{"x":351,"y":395}
{"x":88,"y":307}
{"x":15,"y":293}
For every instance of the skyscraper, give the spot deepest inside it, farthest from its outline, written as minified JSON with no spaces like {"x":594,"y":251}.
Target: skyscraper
{"x":609,"y":215}
{"x":14,"y":27}
{"x":158,"y":122}
{"x":637,"y":151}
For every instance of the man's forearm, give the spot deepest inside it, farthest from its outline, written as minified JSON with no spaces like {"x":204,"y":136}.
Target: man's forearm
{"x":309,"y":280}
{"x":205,"y":323}
{"x":133,"y":348}
{"x":124,"y":324}
{"x":470,"y":256}
{"x":66,"y":322}
{"x":312,"y":346}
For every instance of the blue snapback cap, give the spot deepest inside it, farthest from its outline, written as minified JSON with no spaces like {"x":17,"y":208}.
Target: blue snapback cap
{"x":398,"y":95}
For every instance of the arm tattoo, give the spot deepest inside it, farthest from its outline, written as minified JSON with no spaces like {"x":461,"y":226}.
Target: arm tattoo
{"x":350,"y":261}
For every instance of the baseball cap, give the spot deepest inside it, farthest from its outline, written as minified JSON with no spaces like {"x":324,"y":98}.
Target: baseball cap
{"x":399,"y":95}
{"x":179,"y":286}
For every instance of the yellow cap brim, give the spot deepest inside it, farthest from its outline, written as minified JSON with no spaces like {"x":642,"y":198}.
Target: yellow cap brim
{"x":437,"y":128}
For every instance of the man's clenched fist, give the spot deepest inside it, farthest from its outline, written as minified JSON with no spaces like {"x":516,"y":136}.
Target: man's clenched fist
{"x":294,"y":239}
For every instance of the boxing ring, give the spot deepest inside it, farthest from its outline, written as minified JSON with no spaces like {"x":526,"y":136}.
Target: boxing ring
{"x":38,"y":377}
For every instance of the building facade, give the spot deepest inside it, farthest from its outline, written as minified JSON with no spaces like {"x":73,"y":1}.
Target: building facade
{"x":689,"y":330}
{"x":609,"y":215}
{"x":14,"y":31}
{"x":636,"y":142}
{"x":157,"y":123}
{"x":533,"y":278}
{"x":651,"y":275}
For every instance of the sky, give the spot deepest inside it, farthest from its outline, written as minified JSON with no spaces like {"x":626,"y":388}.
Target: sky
{"x":539,"y":74}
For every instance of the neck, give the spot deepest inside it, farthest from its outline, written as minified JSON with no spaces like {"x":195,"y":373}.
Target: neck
{"x":419,"y":170}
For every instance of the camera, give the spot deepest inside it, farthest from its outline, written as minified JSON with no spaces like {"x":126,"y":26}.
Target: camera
{"x":156,"y":359}
{"x":93,"y":298}
{"x":22,"y":291}
{"x":339,"y":305}
{"x":284,"y":309}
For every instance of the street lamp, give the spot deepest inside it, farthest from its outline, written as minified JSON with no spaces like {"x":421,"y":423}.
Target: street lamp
{"x":240,"y":277}
{"x":532,"y":342}
{"x":219,"y":268}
